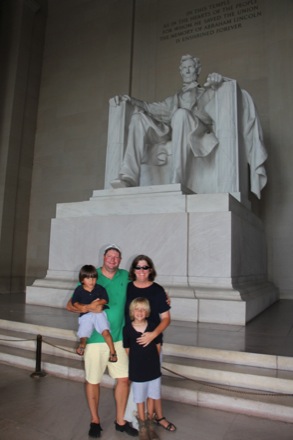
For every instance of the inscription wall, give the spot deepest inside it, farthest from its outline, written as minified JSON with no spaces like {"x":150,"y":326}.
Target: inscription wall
{"x":212,"y":19}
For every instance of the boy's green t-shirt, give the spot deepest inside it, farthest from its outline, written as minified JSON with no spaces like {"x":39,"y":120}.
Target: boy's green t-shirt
{"x":116,"y":289}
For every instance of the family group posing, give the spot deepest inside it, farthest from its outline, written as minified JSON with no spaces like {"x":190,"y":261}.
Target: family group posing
{"x":122,"y":319}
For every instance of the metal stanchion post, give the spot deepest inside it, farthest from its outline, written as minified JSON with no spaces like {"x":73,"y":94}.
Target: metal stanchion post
{"x":38,"y":372}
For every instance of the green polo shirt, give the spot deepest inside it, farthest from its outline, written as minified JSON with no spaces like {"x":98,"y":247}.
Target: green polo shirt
{"x":116,"y":289}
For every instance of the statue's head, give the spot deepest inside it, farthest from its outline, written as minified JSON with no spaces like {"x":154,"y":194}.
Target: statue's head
{"x":189,"y":68}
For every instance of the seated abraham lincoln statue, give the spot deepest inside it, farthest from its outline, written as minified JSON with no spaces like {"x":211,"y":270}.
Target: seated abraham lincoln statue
{"x":203,"y":136}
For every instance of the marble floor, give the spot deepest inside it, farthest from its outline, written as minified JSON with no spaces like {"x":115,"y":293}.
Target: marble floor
{"x":51,"y":408}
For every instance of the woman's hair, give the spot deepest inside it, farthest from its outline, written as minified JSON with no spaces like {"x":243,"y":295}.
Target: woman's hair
{"x":143,"y":303}
{"x":87,"y":271}
{"x":152,"y":271}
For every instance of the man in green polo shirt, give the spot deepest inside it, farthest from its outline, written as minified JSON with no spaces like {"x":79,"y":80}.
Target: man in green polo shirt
{"x":96,"y":357}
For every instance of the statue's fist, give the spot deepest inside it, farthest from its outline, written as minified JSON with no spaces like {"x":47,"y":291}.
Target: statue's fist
{"x":214,"y":80}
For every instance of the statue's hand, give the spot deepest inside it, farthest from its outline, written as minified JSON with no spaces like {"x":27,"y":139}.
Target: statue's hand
{"x":116,"y":100}
{"x":125,"y":98}
{"x":214,"y":80}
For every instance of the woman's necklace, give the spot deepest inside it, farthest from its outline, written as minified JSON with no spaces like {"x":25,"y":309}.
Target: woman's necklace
{"x":142,"y":285}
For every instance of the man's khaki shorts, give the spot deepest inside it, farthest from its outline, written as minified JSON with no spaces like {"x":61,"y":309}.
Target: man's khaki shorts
{"x":96,"y":360}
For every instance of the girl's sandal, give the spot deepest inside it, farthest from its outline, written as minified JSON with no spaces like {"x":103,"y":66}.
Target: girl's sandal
{"x":80,"y":350}
{"x":170,"y":427}
{"x":113,"y":357}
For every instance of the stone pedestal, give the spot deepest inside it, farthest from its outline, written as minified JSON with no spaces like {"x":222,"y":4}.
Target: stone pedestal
{"x":209,"y":250}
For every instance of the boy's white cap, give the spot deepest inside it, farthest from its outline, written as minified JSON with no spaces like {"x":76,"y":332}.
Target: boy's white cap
{"x":112,"y":246}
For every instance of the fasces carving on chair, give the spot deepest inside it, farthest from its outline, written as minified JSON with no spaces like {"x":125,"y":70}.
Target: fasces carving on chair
{"x":201,"y":137}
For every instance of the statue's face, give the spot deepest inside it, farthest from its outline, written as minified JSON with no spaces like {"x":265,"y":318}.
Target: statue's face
{"x":188,"y":71}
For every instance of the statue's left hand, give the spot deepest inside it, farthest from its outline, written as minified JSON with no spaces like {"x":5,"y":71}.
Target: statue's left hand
{"x":116,"y":100}
{"x":214,"y":80}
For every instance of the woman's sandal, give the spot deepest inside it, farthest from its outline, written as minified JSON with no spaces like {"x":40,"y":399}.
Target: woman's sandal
{"x":170,"y":427}
{"x":80,"y":350}
{"x":113,"y":357}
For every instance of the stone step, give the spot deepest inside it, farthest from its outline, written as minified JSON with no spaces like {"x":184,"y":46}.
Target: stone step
{"x":232,"y":399}
{"x":241,"y":376}
{"x":61,"y":347}
{"x":264,"y":405}
{"x":38,"y":329}
{"x":246,"y":383}
{"x":246,"y":370}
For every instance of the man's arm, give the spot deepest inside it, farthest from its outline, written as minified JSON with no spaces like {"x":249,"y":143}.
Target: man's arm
{"x":71,"y":308}
{"x":168,"y":299}
{"x":96,"y":306}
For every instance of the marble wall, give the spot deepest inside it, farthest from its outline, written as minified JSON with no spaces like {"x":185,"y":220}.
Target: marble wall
{"x":22,"y":28}
{"x":94,"y":50}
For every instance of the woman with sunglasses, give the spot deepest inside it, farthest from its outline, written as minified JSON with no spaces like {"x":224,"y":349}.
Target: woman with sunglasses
{"x":142,"y":274}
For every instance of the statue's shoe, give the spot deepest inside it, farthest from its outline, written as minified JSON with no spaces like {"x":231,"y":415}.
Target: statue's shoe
{"x":117,"y":183}
{"x":123,"y":182}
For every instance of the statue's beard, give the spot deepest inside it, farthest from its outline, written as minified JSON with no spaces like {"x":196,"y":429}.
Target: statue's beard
{"x":189,"y":85}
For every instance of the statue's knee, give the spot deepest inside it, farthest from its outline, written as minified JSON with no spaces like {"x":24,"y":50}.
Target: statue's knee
{"x":139,"y":123}
{"x":137,"y":118}
{"x":181,"y":114}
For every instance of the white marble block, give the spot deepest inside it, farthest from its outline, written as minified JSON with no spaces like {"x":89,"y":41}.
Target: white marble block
{"x":208,"y":249}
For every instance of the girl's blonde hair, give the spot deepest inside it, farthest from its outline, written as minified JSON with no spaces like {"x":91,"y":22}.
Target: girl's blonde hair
{"x":143,"y":303}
